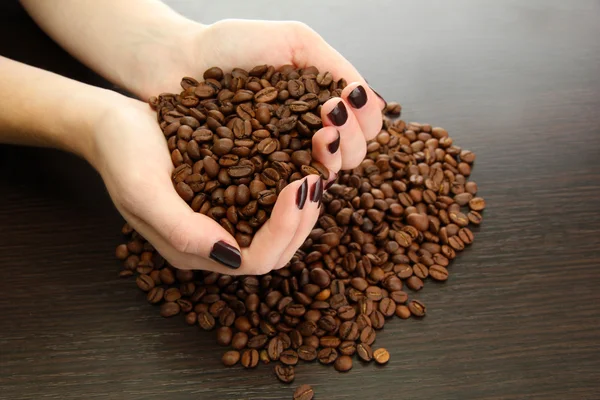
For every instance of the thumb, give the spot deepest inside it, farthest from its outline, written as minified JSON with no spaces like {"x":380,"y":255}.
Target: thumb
{"x":185,"y":231}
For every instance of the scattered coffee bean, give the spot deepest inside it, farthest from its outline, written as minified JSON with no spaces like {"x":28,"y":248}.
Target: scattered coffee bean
{"x":381,"y":356}
{"x":230,"y":358}
{"x":416,"y":308}
{"x":304,"y":392}
{"x":250,"y":358}
{"x":343,"y":364}
{"x":285,"y":373}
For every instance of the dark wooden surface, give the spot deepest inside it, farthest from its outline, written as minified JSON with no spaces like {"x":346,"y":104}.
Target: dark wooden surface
{"x":518,"y":82}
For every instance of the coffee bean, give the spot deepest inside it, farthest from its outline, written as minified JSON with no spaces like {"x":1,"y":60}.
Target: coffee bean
{"x":155,"y":295}
{"x":402,"y":311}
{"x":224,"y":335}
{"x":387,"y":307}
{"x":257,"y":342}
{"x":230,"y":358}
{"x":145,"y":283}
{"x":239,"y":340}
{"x":414,"y":283}
{"x":419,"y":221}
{"x":206,"y":321}
{"x":438,"y":272}
{"x":381,"y":356}
{"x":169,"y":309}
{"x":304,"y":392}
{"x":285,"y":374}
{"x":289,"y":357}
{"x":477,"y":204}
{"x":250,"y":358}
{"x":275,"y":348}
{"x":307,"y":353}
{"x":367,"y":335}
{"x":364,"y":351}
{"x":343,"y":364}
{"x":327,"y":355}
{"x":416,"y":308}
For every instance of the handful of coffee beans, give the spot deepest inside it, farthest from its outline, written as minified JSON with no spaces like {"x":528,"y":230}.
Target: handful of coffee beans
{"x":237,"y":139}
{"x":394,"y":222}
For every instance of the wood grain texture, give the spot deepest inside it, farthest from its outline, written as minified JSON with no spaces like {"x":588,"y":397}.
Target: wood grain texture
{"x":517,"y":82}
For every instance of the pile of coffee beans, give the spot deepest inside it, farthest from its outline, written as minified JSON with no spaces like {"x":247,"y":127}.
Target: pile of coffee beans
{"x":391,"y":224}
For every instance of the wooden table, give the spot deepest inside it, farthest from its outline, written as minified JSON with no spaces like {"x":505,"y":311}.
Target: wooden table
{"x":518,"y":82}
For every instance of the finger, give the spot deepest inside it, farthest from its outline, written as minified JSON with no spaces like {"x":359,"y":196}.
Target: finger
{"x":326,"y":148}
{"x":366,"y":112}
{"x":353,"y":147}
{"x":307,"y":222}
{"x":183,"y":229}
{"x":312,"y":49}
{"x":274,"y":237}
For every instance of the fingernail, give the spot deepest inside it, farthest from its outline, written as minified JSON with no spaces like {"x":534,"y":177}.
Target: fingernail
{"x":335,"y":145}
{"x":378,"y":95}
{"x":301,"y":195}
{"x":226,"y":255}
{"x":339,"y":114}
{"x":316,"y":192}
{"x":330,"y":183}
{"x":358,"y":97}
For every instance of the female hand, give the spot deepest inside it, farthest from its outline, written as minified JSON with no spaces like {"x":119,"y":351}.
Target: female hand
{"x":135,"y":164}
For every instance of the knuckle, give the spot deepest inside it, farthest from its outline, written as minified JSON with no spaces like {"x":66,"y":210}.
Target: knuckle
{"x":178,"y":237}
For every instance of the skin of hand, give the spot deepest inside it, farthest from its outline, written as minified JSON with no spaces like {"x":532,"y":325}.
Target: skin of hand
{"x":131,"y":154}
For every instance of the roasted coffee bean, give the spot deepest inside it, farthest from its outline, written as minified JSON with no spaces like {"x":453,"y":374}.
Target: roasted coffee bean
{"x":275,"y":348}
{"x":206,"y":321}
{"x":231,"y":358}
{"x":155,"y":295}
{"x":257,"y":342}
{"x":416,"y":308}
{"x":402,"y":311}
{"x":307,"y":353}
{"x":327,"y":355}
{"x":169,"y":309}
{"x":250,"y":358}
{"x":381,"y":356}
{"x":477,"y":204}
{"x":289,"y":357}
{"x":414,"y":283}
{"x":387,"y":307}
{"x":239,"y":340}
{"x":364,"y":351}
{"x":145,"y":282}
{"x":224,"y":335}
{"x":304,"y":392}
{"x":343,"y":364}
{"x":367,"y":335}
{"x":285,"y":374}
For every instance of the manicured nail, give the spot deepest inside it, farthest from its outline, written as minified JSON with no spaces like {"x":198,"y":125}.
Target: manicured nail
{"x":316,"y":192}
{"x":358,"y":97}
{"x":378,"y":95}
{"x":226,"y":255}
{"x":330,"y":183}
{"x":339,"y":114}
{"x":301,"y":195}
{"x":335,"y":145}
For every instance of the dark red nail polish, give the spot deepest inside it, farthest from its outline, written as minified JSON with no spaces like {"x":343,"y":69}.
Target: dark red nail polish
{"x":226,"y":254}
{"x":358,"y":97}
{"x":301,"y":195}
{"x":339,"y":115}
{"x":378,"y":95}
{"x":316,"y":192}
{"x":335,"y":145}
{"x":330,"y":184}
